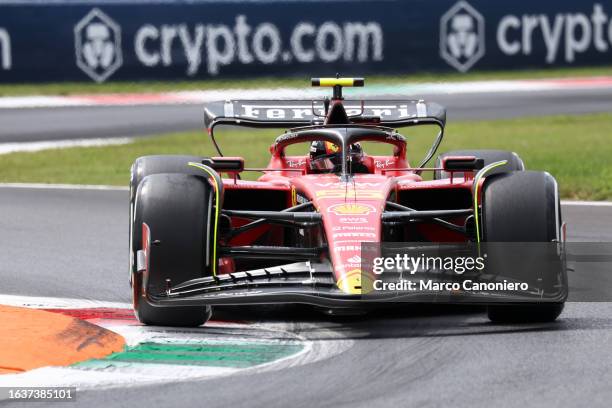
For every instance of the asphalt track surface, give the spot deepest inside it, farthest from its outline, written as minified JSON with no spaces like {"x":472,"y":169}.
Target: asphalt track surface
{"x":72,"y":243}
{"x":38,"y":124}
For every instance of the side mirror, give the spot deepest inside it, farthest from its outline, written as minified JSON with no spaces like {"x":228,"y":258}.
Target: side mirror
{"x":462,"y":163}
{"x":225,"y":164}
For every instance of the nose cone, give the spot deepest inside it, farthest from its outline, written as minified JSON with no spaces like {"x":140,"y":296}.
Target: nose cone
{"x":348,"y":226}
{"x":351,"y":214}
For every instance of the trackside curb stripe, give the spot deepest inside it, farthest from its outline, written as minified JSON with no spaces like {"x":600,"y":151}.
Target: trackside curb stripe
{"x":33,"y":338}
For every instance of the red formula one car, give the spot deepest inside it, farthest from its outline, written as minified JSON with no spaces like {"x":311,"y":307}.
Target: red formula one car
{"x":295,"y":235}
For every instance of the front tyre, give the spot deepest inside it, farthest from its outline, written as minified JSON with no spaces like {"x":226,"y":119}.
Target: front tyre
{"x":522,"y":207}
{"x":147,"y":165}
{"x":176,"y":208}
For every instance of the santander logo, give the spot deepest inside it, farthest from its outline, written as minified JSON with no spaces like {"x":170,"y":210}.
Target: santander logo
{"x":354,"y":259}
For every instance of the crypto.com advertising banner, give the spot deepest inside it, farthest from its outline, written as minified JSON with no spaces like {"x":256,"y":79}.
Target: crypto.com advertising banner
{"x":77,"y":40}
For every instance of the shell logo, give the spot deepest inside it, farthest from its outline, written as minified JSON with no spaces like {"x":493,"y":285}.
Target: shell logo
{"x":356,"y":282}
{"x":351,"y":209}
{"x":331,"y":148}
{"x":293,"y":196}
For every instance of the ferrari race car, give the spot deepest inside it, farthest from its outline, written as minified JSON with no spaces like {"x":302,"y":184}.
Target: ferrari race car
{"x":297,"y":233}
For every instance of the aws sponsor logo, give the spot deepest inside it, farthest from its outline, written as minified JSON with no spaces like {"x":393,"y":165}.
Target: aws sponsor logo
{"x":6,"y":61}
{"x":564,"y":35}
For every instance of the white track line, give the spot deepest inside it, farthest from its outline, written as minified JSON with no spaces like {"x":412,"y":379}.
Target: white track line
{"x":587,"y":203}
{"x":41,"y":302}
{"x":6,"y":148}
{"x":36,"y":101}
{"x":44,"y":186}
{"x":108,"y":378}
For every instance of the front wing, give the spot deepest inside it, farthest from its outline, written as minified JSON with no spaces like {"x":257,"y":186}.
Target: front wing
{"x":314,"y":284}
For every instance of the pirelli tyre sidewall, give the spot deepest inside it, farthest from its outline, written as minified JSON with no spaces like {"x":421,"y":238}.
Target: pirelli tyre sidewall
{"x":522,"y":206}
{"x":147,"y":165}
{"x":515,"y":163}
{"x":177,"y":210}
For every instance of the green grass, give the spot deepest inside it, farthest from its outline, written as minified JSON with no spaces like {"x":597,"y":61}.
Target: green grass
{"x":575,"y":149}
{"x":66,"y":88}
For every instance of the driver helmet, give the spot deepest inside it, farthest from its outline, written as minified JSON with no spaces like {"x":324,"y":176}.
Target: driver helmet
{"x":327,"y":156}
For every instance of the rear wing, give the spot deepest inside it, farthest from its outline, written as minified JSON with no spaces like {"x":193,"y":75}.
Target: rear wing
{"x":296,"y":113}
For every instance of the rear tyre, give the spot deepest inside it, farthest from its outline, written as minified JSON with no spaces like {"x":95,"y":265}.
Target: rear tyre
{"x":176,"y":209}
{"x":534,"y":215}
{"x":515,"y":163}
